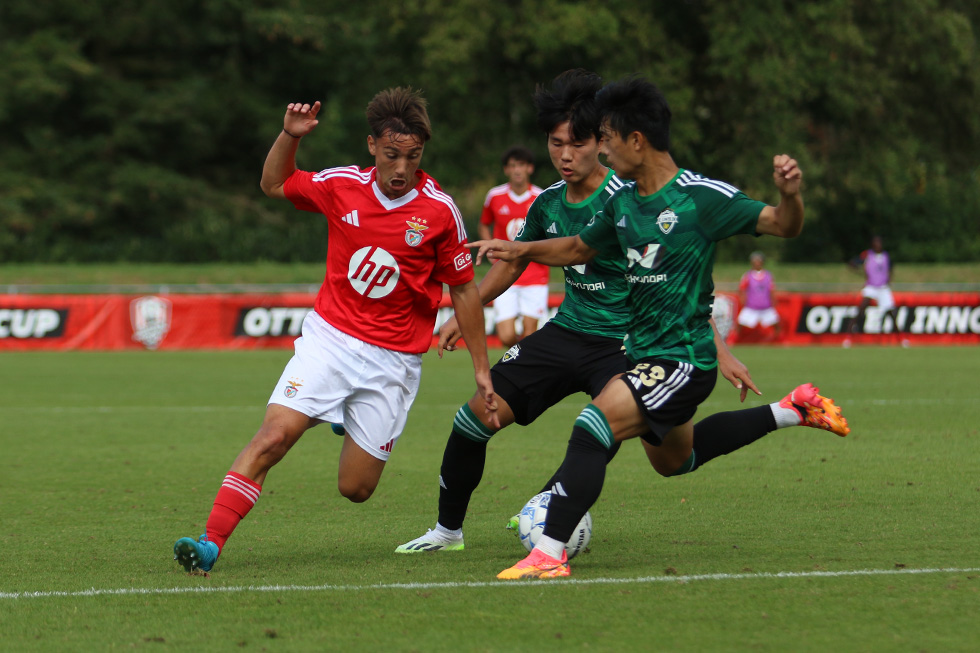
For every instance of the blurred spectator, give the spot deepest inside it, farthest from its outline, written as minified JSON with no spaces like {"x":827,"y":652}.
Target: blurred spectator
{"x":877,"y":268}
{"x":755,"y":294}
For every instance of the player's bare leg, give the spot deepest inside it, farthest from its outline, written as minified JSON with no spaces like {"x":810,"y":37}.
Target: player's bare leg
{"x":507,"y":332}
{"x":857,"y":322}
{"x":674,"y":451}
{"x":530,"y":325}
{"x":359,"y":472}
{"x":280,"y":430}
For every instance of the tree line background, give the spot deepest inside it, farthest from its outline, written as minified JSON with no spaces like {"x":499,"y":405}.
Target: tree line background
{"x":137,"y":131}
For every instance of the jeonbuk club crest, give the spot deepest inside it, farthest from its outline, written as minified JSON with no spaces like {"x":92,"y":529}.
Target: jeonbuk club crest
{"x":666,"y":220}
{"x":413,"y":236}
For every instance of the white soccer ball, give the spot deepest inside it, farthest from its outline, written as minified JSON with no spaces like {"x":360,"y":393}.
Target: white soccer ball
{"x":530,"y":525}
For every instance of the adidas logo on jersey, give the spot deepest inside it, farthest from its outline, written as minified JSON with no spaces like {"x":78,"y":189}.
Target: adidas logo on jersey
{"x":622,"y":222}
{"x":553,"y":229}
{"x":351,"y":218}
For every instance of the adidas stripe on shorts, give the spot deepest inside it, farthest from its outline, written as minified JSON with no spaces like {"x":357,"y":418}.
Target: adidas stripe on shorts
{"x":668,"y":393}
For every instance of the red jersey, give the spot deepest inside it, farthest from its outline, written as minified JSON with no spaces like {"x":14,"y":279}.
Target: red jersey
{"x":506,"y":212}
{"x":386,"y":259}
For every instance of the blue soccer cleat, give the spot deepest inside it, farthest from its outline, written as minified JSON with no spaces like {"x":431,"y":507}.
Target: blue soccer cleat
{"x":200,"y":555}
{"x":338,"y":429}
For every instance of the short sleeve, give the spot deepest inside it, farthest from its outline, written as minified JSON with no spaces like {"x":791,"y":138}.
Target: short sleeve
{"x":301,"y":191}
{"x":486,"y":216}
{"x":533,"y":228}
{"x":722,"y":216}
{"x":454,"y":262}
{"x":600,"y":232}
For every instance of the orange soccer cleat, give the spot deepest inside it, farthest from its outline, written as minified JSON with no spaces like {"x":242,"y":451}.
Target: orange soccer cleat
{"x":538,"y":565}
{"x":818,"y":411}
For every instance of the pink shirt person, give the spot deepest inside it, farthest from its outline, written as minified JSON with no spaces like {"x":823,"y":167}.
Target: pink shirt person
{"x":755,"y":289}
{"x":757,"y":286}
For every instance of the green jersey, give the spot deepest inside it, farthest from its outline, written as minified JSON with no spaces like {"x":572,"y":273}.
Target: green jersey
{"x":667,"y":241}
{"x":595,"y":293}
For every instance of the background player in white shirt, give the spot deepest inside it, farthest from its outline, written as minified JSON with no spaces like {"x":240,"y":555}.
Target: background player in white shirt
{"x":394,"y":239}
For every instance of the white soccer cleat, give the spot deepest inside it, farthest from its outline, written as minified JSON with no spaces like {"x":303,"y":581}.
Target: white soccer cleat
{"x":432,"y":541}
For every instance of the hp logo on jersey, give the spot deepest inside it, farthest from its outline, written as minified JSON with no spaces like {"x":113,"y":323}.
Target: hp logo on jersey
{"x":515,"y":228}
{"x":373,"y":272}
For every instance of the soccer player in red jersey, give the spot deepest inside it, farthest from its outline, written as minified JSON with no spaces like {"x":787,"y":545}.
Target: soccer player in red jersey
{"x":394,"y":239}
{"x":504,"y":211}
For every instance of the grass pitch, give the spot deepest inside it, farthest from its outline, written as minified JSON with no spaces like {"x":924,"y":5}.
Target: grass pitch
{"x":802,"y":541}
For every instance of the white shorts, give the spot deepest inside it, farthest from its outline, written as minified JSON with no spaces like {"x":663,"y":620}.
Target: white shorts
{"x":882,"y":295}
{"x":753,"y":317}
{"x":530,"y":301}
{"x":334,"y":377}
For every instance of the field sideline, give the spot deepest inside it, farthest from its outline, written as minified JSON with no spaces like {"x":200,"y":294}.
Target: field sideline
{"x":802,"y":541}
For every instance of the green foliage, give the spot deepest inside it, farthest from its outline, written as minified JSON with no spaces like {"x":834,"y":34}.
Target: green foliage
{"x":137,"y":132}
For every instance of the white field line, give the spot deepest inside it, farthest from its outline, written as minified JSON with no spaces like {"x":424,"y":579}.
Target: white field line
{"x":231,"y":589}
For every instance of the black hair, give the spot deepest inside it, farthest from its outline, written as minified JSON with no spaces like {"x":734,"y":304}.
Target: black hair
{"x":571,"y":97}
{"x":518,"y":153}
{"x":633,"y":104}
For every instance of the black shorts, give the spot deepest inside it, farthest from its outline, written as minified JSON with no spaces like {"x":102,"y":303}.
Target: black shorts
{"x":551,"y":364}
{"x":668,"y":393}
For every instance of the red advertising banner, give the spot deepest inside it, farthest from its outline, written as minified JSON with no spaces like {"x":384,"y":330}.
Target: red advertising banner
{"x":114,"y":322}
{"x":274,"y":320}
{"x":826,"y":319}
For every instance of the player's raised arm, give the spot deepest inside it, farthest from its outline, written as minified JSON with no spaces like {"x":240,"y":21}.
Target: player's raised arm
{"x":556,"y":252}
{"x":280,"y":163}
{"x":786,"y":218}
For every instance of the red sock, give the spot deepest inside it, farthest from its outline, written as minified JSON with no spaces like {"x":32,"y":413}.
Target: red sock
{"x":235,"y":498}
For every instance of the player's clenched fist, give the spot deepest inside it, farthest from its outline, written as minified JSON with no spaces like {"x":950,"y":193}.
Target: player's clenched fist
{"x":787,"y":174}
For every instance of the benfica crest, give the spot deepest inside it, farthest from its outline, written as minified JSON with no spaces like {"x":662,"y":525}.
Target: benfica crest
{"x":413,"y":236}
{"x":150,"y":317}
{"x":666,"y":220}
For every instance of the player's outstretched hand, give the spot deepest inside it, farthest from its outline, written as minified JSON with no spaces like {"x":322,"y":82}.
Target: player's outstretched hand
{"x":485,"y":387}
{"x":300,"y":118}
{"x":496,"y":249}
{"x":737,"y":373}
{"x":449,"y":335}
{"x":787,"y":174}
